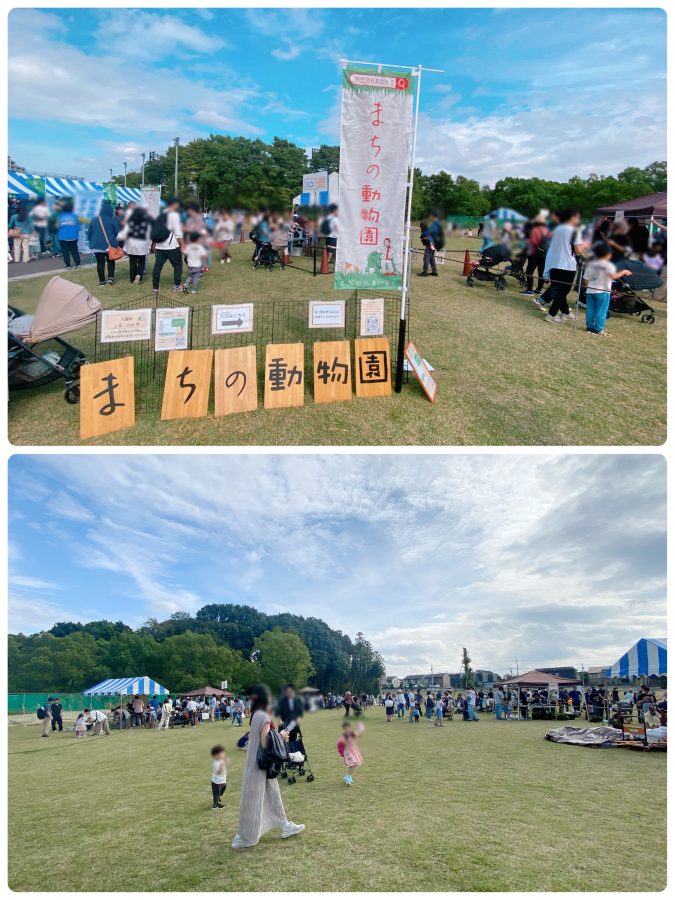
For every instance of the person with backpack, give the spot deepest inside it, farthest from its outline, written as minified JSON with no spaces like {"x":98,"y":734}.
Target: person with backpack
{"x":538,"y":241}
{"x":136,"y":237}
{"x":103,"y":231}
{"x":261,"y":807}
{"x":45,"y":714}
{"x":166,"y":235}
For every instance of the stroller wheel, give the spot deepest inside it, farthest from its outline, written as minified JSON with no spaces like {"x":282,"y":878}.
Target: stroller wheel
{"x":469,"y":282}
{"x":72,"y":394}
{"x":310,"y":778}
{"x":292,"y":780}
{"x":648,"y":319}
{"x":500,"y":284}
{"x":283,"y":774}
{"x":301,"y":771}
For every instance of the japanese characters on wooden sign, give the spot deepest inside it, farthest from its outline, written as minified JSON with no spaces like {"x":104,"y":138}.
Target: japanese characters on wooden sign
{"x":187,"y":384}
{"x":332,"y":371}
{"x":235,"y":380}
{"x":107,"y":400}
{"x":422,"y":373}
{"x":284,"y":375}
{"x":372,"y":367}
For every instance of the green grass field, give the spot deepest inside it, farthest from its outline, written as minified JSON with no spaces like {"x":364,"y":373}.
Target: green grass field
{"x":488,"y":806}
{"x":504,"y":377}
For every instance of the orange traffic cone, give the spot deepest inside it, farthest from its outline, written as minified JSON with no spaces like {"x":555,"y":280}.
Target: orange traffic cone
{"x":467,"y":263}
{"x":324,"y":263}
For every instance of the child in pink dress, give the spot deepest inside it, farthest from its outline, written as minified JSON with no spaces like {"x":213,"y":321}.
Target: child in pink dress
{"x":348,"y":749}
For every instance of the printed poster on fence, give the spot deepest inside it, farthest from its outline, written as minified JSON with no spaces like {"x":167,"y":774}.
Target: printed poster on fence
{"x":376,"y":115}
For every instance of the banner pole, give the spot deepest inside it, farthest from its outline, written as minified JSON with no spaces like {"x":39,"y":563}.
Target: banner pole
{"x":405,"y":287}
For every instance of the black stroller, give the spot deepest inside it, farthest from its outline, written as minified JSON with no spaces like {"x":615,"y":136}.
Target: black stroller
{"x":37,"y":355}
{"x":297,"y":765}
{"x":267,"y":257}
{"x":626,"y":299}
{"x":487,"y":267}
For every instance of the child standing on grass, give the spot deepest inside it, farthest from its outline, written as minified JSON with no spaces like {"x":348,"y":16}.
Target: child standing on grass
{"x":599,"y":274}
{"x":195,"y":254}
{"x":80,"y":727}
{"x":348,"y":749}
{"x":438,"y":710}
{"x":218,"y":775}
{"x":389,"y":707}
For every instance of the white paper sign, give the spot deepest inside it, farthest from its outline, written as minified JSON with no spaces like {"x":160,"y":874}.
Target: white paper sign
{"x":327,"y":315}
{"x":317,"y":181}
{"x":231,"y":319}
{"x":372,"y":317}
{"x":171,"y":328}
{"x":125,"y":325}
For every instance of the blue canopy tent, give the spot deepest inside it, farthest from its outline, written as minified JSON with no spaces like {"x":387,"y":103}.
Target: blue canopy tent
{"x":649,"y":656}
{"x":128,"y":194}
{"x":120,"y":687}
{"x":68,"y":187}
{"x":19,"y":186}
{"x":504,"y":214}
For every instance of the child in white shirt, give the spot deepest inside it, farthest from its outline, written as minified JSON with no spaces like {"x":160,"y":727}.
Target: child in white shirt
{"x":599,"y":274}
{"x":195,"y":254}
{"x":80,"y":727}
{"x":218,"y":775}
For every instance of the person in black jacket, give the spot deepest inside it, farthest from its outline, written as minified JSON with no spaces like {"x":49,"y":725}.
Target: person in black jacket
{"x":290,"y":710}
{"x":57,"y":710}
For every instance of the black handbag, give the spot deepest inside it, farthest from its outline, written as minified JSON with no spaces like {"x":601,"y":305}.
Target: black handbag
{"x":274,"y":756}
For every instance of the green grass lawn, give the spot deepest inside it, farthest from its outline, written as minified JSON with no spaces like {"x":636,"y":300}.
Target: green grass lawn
{"x":485,"y":806}
{"x":504,"y":377}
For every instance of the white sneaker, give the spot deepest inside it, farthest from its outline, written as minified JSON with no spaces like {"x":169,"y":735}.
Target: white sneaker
{"x":567,"y":316}
{"x":222,"y":262}
{"x":552,"y":319}
{"x":229,"y":261}
{"x":238,"y":843}
{"x":290,"y":828}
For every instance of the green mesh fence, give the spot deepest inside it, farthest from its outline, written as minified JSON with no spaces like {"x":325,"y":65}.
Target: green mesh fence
{"x":28,"y":703}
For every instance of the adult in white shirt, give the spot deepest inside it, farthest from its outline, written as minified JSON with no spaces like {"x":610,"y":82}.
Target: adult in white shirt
{"x":561,"y":264}
{"x":192,"y":708}
{"x":170,"y":247}
{"x":99,"y":720}
{"x":40,"y":216}
{"x":167,"y":709}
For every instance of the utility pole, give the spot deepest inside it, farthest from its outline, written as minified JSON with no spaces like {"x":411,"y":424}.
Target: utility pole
{"x":143,"y":170}
{"x":176,"y":142}
{"x":125,"y":173}
{"x":111,"y":175}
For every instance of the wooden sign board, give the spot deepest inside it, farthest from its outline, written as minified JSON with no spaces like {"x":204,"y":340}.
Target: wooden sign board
{"x":284,"y":375}
{"x":422,"y":374}
{"x":372,"y":367}
{"x":187,"y":384}
{"x":235,"y":380}
{"x":107,"y":399}
{"x":332,"y":371}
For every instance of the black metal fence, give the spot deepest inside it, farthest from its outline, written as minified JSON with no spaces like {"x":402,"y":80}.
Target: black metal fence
{"x":274,"y":322}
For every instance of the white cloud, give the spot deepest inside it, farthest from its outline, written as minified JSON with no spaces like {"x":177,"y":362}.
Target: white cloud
{"x":36,"y":584}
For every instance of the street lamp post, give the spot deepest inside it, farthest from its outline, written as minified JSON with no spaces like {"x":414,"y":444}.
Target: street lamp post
{"x":175,"y":180}
{"x":111,"y":175}
{"x":125,"y":173}
{"x":143,"y":170}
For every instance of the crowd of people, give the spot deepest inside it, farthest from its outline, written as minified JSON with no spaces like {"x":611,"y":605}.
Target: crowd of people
{"x":188,"y":238}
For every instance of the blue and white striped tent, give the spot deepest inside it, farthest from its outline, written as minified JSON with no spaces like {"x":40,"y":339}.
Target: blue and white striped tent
{"x":113,"y":687}
{"x":128,"y":194}
{"x":17,"y":184}
{"x":504,"y":214}
{"x":67,"y":187}
{"x":649,"y":656}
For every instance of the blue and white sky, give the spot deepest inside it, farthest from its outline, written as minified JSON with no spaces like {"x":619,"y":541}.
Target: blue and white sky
{"x":529,"y":92}
{"x":548,"y":560}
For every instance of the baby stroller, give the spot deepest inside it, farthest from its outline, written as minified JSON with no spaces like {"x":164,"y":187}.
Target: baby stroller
{"x":490,"y":259}
{"x":267,"y":257}
{"x":298,"y":761}
{"x":37,"y":355}
{"x":626,"y":299}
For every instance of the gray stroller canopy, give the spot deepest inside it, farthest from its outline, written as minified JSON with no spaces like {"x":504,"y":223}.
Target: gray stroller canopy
{"x":63,"y":307}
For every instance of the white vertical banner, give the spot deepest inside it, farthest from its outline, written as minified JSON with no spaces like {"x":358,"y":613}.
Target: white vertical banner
{"x":150,"y":201}
{"x":374,"y":157}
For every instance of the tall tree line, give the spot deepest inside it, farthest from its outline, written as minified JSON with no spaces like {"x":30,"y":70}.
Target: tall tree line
{"x":236,"y":171}
{"x":220,"y":642}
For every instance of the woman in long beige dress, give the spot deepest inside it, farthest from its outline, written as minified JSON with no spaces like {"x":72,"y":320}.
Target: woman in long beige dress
{"x":261,"y":808}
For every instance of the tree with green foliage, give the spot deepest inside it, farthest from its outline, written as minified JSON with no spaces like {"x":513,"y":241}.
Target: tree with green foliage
{"x":467,"y":671}
{"x":283,"y":658}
